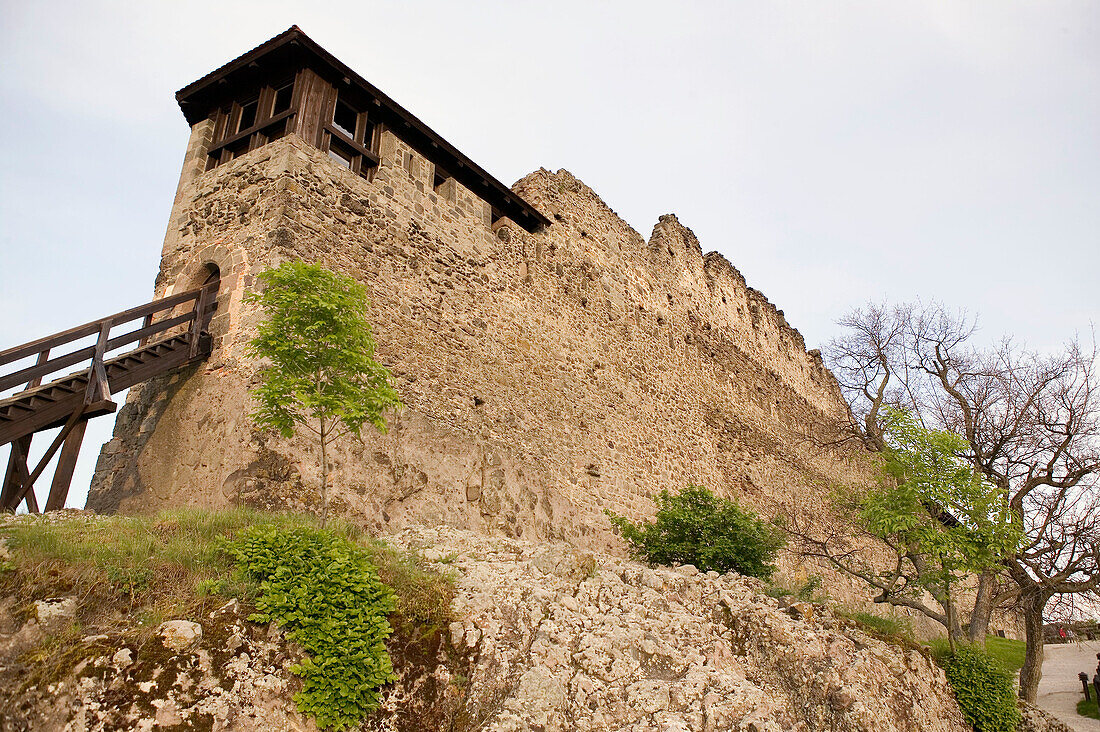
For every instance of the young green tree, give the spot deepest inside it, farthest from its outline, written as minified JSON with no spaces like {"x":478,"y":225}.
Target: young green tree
{"x":322,"y":373}
{"x":939,"y":508}
{"x":939,"y":518}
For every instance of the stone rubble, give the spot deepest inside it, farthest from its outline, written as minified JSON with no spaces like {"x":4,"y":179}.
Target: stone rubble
{"x":1037,"y":720}
{"x":179,"y":635}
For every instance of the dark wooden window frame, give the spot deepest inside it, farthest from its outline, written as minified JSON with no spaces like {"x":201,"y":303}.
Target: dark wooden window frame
{"x":360,"y":151}
{"x":225,"y":147}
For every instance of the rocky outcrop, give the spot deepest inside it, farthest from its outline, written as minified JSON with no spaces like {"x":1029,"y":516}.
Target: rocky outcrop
{"x":558,"y":639}
{"x":1037,"y":720}
{"x":234,"y":677}
{"x":546,"y":637}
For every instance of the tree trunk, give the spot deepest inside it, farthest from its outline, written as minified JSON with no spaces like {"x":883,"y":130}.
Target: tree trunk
{"x":983,"y":609}
{"x":954,"y":629}
{"x":324,"y":477}
{"x":1032,"y":604}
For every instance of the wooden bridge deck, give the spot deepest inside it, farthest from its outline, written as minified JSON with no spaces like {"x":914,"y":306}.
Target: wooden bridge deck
{"x":69,"y":401}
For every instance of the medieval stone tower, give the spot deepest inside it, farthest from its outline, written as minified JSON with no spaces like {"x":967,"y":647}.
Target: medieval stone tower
{"x":553,"y":362}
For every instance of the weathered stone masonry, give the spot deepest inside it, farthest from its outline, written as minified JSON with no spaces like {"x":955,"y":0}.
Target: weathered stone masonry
{"x":546,"y":376}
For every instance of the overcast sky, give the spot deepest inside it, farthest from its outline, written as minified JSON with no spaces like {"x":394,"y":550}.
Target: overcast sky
{"x":835,"y":152}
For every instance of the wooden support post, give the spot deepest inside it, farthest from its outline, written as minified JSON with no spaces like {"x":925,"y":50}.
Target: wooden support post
{"x":43,"y":357}
{"x":15,"y":473}
{"x":98,"y":389}
{"x":17,"y":482}
{"x":145,"y":324}
{"x":27,"y":488}
{"x":66,"y":463}
{"x":31,"y":499}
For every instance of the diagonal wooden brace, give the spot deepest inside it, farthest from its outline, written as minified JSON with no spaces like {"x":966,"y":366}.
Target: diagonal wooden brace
{"x":16,"y":473}
{"x":26,"y":489}
{"x":66,"y":464}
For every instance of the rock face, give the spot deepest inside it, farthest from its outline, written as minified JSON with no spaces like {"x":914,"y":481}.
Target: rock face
{"x":546,"y":638}
{"x":1037,"y":720}
{"x":234,"y":678}
{"x":557,"y":639}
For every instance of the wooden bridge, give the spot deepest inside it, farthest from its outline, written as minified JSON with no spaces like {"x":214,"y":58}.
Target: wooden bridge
{"x":165,"y":341}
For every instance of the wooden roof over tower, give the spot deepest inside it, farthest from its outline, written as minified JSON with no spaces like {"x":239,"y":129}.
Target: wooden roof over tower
{"x":293,"y":50}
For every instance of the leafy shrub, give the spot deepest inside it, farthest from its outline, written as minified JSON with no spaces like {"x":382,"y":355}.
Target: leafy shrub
{"x":325,"y":592}
{"x":697,"y":527}
{"x":984,"y":688}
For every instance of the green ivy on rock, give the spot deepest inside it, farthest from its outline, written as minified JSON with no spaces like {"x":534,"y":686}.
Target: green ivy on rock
{"x":324,"y":591}
{"x":985,"y":690}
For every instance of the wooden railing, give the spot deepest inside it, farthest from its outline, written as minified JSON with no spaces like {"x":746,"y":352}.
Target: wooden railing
{"x":31,"y":376}
{"x":37,"y":406}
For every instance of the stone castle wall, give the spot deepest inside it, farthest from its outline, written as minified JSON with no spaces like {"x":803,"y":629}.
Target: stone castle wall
{"x":546,"y":376}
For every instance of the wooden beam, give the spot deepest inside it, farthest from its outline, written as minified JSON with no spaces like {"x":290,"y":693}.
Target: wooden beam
{"x":66,"y":463}
{"x":31,"y":499}
{"x":26,"y":490}
{"x":98,"y":388}
{"x":196,"y":324}
{"x":15,"y":473}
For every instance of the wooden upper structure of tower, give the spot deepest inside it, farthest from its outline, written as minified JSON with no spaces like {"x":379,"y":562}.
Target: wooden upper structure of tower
{"x":290,"y":85}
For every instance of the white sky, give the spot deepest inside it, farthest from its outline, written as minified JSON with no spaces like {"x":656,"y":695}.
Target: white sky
{"x":835,"y":152}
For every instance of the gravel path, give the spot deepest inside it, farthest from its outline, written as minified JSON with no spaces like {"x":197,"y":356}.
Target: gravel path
{"x":1060,"y":690}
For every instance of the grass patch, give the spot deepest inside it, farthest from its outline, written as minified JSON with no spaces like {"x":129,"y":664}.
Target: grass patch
{"x":1088,"y":708}
{"x":152,"y":567}
{"x":1009,"y":652}
{"x":806,"y":590}
{"x":890,"y":629}
{"x":423,"y":594}
{"x":129,"y":574}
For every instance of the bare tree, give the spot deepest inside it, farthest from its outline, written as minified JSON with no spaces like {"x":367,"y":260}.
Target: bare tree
{"x":1032,"y":425}
{"x":1032,"y":428}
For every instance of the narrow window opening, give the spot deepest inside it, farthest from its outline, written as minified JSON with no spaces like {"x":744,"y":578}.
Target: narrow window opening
{"x":344,"y":118}
{"x":340,"y":156}
{"x":231,"y":122}
{"x":282,"y":99}
{"x":248,"y":115}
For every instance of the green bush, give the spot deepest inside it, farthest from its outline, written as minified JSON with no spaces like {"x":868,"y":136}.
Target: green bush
{"x":696,"y":527}
{"x":325,"y":593}
{"x":984,"y":688}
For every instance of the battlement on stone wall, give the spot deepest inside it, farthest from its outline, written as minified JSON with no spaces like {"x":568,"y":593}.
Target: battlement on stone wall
{"x":668,"y":276}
